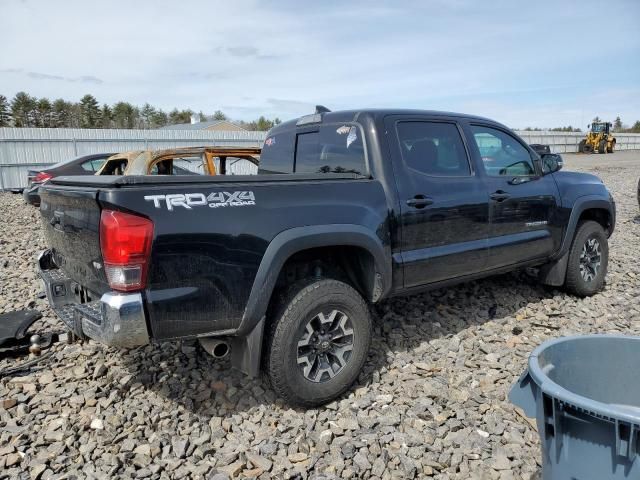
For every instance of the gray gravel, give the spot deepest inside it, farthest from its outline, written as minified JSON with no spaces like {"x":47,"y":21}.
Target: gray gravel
{"x":431,"y":401}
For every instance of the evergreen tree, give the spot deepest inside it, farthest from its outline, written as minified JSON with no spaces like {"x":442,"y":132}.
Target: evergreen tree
{"x":44,"y":112}
{"x":125,"y":115}
{"x":5,"y":114}
{"x":180,"y":116}
{"x":89,"y":111}
{"x":61,"y":113}
{"x":146,"y":115}
{"x":106,"y":117}
{"x":159,"y":119}
{"x":617,"y":125}
{"x":23,"y":108}
{"x":219,"y":115}
{"x":264,"y":124}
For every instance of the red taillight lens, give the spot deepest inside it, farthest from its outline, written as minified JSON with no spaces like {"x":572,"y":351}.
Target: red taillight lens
{"x":125,"y":241}
{"x":42,"y":177}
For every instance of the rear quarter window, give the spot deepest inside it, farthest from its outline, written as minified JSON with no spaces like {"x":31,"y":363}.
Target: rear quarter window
{"x":277,"y":153}
{"x":331,"y":149}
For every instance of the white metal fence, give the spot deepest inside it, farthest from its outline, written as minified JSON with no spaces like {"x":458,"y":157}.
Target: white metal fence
{"x":567,"y":142}
{"x":22,"y":149}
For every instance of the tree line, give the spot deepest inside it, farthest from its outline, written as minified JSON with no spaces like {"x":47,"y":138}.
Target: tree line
{"x":25,"y":110}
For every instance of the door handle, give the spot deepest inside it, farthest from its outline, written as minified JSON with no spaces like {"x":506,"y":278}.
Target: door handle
{"x":419,"y":201}
{"x":499,"y":196}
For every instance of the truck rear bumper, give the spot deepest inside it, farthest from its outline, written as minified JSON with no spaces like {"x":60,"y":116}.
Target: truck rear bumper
{"x":117,"y":319}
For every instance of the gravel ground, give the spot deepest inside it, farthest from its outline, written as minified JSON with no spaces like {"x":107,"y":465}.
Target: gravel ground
{"x":431,"y":401}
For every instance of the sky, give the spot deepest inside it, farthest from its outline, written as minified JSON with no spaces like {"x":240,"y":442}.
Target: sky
{"x":524,"y":63}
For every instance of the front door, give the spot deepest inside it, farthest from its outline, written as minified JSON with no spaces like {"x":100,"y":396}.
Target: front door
{"x":443,"y":203}
{"x":522,"y":202}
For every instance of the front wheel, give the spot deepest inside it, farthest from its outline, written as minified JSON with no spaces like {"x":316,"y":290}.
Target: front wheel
{"x":588,"y":260}
{"x":318,"y":342}
{"x":602,"y":147}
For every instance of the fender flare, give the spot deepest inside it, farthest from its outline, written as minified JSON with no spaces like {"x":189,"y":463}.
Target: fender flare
{"x":291,"y":241}
{"x":586,"y":202}
{"x":246,"y":344}
{"x":555,"y":272}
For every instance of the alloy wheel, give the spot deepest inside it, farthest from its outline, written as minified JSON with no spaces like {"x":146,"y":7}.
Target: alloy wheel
{"x":325,"y":346}
{"x":590,"y":259}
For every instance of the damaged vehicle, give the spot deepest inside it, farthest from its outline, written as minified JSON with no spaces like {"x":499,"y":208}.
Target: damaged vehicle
{"x":184,"y":161}
{"x":84,"y":165}
{"x":348,"y":208}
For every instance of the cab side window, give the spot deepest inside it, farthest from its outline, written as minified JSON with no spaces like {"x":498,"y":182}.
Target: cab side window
{"x":502,"y":154}
{"x":433,"y":148}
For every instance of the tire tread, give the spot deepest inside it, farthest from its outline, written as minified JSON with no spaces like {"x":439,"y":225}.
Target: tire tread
{"x":296,"y":297}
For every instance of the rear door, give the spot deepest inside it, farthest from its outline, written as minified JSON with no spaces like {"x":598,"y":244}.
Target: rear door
{"x":522,"y":202}
{"x":443,"y":203}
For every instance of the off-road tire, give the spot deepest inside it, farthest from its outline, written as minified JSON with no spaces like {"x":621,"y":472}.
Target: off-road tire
{"x":298,"y":306}
{"x":574,"y":282}
{"x":613,"y":147}
{"x":582,"y":146}
{"x":602,"y":146}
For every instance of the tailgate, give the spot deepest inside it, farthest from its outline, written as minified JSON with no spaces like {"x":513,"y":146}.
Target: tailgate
{"x":71,"y":222}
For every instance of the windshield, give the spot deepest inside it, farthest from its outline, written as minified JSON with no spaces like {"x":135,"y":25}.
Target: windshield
{"x":597,"y":127}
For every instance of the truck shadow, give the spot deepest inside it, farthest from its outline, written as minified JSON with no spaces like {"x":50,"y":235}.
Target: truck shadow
{"x":188,"y":376}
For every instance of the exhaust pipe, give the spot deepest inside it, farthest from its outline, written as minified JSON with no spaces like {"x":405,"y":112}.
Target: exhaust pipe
{"x":215,"y":347}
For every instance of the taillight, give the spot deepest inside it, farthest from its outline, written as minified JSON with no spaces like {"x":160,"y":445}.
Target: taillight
{"x":42,"y":177}
{"x":125,"y":241}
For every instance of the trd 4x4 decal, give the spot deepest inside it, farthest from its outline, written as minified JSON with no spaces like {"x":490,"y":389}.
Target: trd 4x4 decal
{"x":214,"y":200}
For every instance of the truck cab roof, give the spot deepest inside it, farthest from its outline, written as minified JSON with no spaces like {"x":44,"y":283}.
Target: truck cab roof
{"x":358,"y":114}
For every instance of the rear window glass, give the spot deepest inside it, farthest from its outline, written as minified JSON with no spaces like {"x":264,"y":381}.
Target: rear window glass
{"x":331,"y":149}
{"x":277,"y":153}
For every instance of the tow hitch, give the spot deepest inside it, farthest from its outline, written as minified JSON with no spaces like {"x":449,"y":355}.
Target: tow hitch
{"x":15,"y":339}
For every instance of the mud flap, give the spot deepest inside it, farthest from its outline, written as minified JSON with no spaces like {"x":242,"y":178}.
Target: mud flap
{"x":14,"y":325}
{"x":554,"y":273}
{"x":247,"y":350}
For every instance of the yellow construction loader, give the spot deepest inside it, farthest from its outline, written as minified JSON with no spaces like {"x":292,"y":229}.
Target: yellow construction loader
{"x":598,"y":139}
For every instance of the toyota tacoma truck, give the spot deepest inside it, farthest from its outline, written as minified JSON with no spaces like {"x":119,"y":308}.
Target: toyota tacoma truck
{"x":348,"y":208}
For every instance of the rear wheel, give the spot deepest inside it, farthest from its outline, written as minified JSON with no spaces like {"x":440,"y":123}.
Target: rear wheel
{"x":613,"y":146}
{"x":588,"y":260}
{"x":319,"y":342}
{"x":582,"y":146}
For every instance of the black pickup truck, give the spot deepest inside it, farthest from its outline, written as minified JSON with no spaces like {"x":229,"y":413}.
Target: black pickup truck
{"x":348,"y":208}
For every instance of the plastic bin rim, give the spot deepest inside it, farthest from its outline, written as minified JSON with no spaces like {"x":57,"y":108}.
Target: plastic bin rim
{"x":554,"y":390}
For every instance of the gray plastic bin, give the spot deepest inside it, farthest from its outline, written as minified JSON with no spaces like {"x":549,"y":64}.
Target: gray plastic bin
{"x":584,"y":392}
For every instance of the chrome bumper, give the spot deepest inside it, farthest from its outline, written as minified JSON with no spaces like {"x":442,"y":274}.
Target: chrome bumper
{"x":116,"y":319}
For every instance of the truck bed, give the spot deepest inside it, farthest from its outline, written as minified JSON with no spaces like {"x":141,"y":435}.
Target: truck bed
{"x":204,"y":260}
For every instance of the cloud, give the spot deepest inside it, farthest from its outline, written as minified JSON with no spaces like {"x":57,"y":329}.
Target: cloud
{"x":245,"y":52}
{"x":293,"y":106}
{"x":276,"y":59}
{"x":242,"y":51}
{"x":46,"y":76}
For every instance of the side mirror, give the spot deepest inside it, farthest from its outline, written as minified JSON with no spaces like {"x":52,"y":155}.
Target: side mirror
{"x":551,"y":162}
{"x":588,"y":126}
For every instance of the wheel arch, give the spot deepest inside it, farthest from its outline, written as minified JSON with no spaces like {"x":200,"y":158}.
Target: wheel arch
{"x":247,"y":343}
{"x":590,"y":207}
